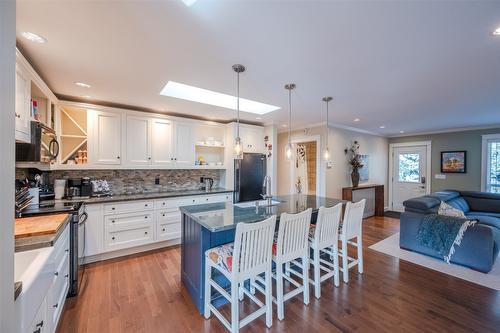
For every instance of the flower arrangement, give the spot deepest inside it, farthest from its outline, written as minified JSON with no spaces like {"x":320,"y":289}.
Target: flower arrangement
{"x":355,"y":161}
{"x":353,"y":156}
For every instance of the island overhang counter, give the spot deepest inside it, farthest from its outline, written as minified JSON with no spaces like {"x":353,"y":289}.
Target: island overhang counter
{"x":210,"y":225}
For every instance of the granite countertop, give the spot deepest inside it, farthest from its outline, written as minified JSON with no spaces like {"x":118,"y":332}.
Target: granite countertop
{"x":42,"y":240}
{"x":223,"y":216}
{"x":150,"y":195}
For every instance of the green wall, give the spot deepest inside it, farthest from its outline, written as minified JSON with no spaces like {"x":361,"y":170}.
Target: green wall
{"x":471,"y":141}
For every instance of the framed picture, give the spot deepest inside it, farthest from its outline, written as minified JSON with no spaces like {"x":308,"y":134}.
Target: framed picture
{"x":454,"y":161}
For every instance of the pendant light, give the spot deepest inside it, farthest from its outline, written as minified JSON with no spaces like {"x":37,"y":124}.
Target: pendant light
{"x":288,"y":148}
{"x":238,"y":146}
{"x":326,"y":152}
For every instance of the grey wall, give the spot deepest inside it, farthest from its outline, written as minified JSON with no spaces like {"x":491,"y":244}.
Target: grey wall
{"x":7,"y":98}
{"x":471,"y":141}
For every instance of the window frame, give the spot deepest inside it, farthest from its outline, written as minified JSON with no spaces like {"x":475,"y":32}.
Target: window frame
{"x":484,"y":159}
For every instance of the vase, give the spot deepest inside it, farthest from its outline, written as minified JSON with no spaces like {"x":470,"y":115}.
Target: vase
{"x":355,"y":178}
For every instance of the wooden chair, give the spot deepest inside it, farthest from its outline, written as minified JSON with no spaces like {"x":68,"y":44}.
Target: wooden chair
{"x":247,"y":258}
{"x":352,"y":228}
{"x":292,"y":245}
{"x":323,"y":239}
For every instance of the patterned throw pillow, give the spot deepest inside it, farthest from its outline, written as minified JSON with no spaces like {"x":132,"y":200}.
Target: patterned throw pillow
{"x":445,"y":209}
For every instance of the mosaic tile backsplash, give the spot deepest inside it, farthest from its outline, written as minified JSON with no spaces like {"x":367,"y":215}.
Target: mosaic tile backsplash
{"x":139,"y":181}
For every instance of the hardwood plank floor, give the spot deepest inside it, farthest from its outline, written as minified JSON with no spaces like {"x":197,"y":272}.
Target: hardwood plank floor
{"x":143,"y":293}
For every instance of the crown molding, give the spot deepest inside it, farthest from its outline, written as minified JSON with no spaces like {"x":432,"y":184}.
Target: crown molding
{"x":447,"y":130}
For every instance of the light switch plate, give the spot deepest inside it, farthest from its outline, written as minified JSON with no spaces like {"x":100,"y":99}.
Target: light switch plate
{"x":439,"y":176}
{"x":329,"y":164}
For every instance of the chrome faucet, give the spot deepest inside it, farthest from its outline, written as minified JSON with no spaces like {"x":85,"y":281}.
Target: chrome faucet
{"x":266,"y":188}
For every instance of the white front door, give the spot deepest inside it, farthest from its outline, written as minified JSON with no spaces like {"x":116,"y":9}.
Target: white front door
{"x":409,"y":178}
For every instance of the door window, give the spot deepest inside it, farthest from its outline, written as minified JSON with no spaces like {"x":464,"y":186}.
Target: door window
{"x":409,"y":167}
{"x":493,"y":165}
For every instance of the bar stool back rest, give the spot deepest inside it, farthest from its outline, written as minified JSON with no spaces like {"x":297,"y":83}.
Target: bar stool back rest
{"x":293,"y":234}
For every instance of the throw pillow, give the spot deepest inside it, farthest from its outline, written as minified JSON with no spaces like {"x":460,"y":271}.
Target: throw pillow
{"x":445,"y":209}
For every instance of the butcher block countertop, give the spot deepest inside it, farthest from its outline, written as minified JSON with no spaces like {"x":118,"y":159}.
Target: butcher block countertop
{"x":39,"y":231}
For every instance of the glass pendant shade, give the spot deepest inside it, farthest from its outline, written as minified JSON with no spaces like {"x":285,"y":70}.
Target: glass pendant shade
{"x":288,"y":152}
{"x":238,"y":149}
{"x":326,"y":152}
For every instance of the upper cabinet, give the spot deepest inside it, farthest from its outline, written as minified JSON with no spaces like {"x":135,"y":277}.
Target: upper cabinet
{"x":107,"y":129}
{"x":161,"y":143}
{"x":183,"y":144}
{"x":137,"y":141}
{"x":23,"y":111}
{"x":252,"y":138}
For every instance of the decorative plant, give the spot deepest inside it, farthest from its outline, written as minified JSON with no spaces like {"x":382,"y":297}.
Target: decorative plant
{"x":353,"y":156}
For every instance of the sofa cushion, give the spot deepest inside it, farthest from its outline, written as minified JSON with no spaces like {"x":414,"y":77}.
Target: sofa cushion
{"x":485,"y":213}
{"x":482,"y":201}
{"x":425,"y":204}
{"x":485,"y":219}
{"x":445,"y":195}
{"x":459,"y":203}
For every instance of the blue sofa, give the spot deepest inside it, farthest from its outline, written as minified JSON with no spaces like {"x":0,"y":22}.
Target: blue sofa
{"x":480,"y":244}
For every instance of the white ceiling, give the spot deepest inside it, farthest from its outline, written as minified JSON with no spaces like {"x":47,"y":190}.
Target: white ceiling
{"x":412,"y":66}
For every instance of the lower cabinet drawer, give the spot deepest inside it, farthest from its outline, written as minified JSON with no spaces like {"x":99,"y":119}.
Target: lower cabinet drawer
{"x":122,"y":239}
{"x":58,"y":293}
{"x":128,"y":221}
{"x":168,"y":230}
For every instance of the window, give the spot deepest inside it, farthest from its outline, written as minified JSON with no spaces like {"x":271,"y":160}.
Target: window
{"x":409,"y":167}
{"x":491,"y":163}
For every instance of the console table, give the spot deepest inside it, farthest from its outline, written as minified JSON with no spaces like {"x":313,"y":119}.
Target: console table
{"x":374,"y":195}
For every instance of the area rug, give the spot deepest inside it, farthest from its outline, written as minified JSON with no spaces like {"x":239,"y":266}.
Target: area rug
{"x":390,"y":246}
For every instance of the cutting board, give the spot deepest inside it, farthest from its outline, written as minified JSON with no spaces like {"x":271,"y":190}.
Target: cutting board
{"x":39,"y":225}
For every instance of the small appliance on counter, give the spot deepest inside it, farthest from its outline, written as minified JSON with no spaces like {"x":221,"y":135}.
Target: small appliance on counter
{"x":59,"y":188}
{"x":208,"y":183}
{"x":100,"y":188}
{"x":74,"y":188}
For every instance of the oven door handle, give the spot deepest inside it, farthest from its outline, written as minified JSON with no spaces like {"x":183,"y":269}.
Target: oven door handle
{"x":83,"y":218}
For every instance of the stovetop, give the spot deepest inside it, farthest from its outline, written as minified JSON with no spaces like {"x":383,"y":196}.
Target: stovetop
{"x":51,"y":207}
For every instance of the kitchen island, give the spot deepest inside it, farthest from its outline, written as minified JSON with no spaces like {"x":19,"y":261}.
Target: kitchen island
{"x":209,"y":225}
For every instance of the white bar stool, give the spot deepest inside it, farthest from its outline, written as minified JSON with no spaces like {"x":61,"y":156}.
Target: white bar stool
{"x":292,"y":244}
{"x":352,"y":228}
{"x":249,"y":256}
{"x":323,"y":239}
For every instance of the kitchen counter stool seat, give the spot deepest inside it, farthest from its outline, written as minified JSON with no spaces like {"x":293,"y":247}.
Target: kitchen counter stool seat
{"x":248,"y":258}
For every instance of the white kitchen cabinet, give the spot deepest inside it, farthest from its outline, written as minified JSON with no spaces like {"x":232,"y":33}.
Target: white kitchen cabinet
{"x":40,"y":322}
{"x":137,"y":140}
{"x":161,"y":143}
{"x":23,"y":105}
{"x":91,"y":233}
{"x":252,"y":138}
{"x":184,"y":145}
{"x":107,"y":138}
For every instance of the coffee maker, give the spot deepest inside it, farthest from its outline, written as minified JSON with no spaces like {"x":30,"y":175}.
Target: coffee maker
{"x":79,"y":187}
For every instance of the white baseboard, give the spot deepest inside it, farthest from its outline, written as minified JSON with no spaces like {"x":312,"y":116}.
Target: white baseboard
{"x":127,"y":252}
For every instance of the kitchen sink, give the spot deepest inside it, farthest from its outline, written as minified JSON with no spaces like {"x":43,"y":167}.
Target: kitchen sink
{"x":260,"y":203}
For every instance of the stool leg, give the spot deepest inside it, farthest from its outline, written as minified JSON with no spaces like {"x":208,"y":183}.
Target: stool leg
{"x":305,"y":280}
{"x":208,"y":293}
{"x":235,"y":314}
{"x":279,"y":291}
{"x":336,"y":265}
{"x":317,"y":279}
{"x":345,"y":268}
{"x":269,"y":299}
{"x":252,"y":286}
{"x":240,"y":291}
{"x":287,"y":269}
{"x":360,"y":254}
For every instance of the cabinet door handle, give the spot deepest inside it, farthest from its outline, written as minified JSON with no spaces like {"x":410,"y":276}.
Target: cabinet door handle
{"x":66,"y":275}
{"x":163,"y":214}
{"x":67,"y":250}
{"x":112,"y":221}
{"x":145,"y":205}
{"x":145,"y":217}
{"x":112,"y":208}
{"x":206,"y":199}
{"x":163,"y":229}
{"x":193,"y":200}
{"x":56,"y":273}
{"x":149,"y":158}
{"x":163,"y":204}
{"x":40,"y":324}
{"x":118,"y":157}
{"x":113,"y":238}
{"x":55,"y":305}
{"x":145,"y":232}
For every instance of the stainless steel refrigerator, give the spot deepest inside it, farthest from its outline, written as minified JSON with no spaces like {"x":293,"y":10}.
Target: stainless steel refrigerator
{"x":249,"y":174}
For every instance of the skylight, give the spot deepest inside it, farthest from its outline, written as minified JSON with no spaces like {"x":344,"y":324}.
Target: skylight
{"x":195,"y":94}
{"x":189,"y":3}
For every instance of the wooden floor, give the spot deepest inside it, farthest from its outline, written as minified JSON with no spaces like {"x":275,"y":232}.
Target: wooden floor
{"x":143,"y":293}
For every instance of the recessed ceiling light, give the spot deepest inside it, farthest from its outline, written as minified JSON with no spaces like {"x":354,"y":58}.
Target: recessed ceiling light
{"x":86,"y":96}
{"x":284,"y":125}
{"x":258,"y":118}
{"x":189,"y":3}
{"x":83,"y":85}
{"x":382,"y":126}
{"x":496,"y":32}
{"x":195,"y":94}
{"x":34,"y":37}
{"x":356,"y":119}
{"x":401,"y":132}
